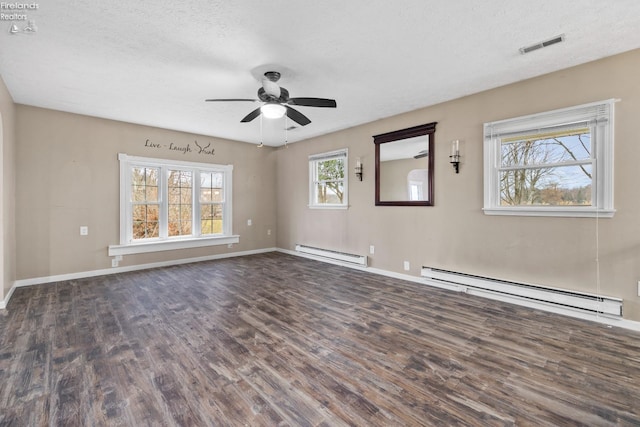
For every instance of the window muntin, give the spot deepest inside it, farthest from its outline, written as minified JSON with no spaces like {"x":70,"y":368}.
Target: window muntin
{"x":547,"y":169}
{"x":180,"y":202}
{"x":328,"y":180}
{"x":554,"y":163}
{"x":166,"y":200}
{"x":145,"y":202}
{"x":211,"y":202}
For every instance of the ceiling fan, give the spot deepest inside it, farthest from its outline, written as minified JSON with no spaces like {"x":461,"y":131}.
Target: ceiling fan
{"x":277,"y":102}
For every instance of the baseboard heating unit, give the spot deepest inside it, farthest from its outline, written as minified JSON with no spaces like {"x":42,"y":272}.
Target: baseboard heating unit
{"x":333,"y":255}
{"x":552,"y":299}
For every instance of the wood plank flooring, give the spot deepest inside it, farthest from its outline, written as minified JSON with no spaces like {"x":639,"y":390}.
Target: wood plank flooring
{"x":277,"y":340}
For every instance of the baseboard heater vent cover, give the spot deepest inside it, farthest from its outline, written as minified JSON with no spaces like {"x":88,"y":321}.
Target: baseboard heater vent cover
{"x":525,"y":294}
{"x":333,"y":255}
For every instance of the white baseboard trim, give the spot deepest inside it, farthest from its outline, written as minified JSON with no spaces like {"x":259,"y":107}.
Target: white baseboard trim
{"x":115,"y":270}
{"x":5,"y":301}
{"x":608,"y":321}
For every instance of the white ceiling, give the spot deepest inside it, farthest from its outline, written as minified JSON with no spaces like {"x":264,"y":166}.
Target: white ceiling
{"x":154,"y":62}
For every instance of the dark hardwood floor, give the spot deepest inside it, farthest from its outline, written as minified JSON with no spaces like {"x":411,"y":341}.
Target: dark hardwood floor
{"x":277,"y":340}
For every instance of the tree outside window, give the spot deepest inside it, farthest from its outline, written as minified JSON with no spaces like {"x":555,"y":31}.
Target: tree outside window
{"x":554,"y":163}
{"x":328,"y":183}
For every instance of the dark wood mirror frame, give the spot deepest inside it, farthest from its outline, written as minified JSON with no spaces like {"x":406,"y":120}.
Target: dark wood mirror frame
{"x":426,"y":129}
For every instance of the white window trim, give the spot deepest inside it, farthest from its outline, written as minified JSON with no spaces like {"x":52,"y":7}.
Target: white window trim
{"x":327,"y":156}
{"x":603,"y":143}
{"x":128,"y":246}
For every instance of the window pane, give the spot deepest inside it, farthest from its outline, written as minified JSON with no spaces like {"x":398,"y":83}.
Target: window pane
{"x":140,"y":213}
{"x":559,"y":186}
{"x":329,"y":192}
{"x":138,"y":229}
{"x":179,"y":204}
{"x":174,"y":195}
{"x":138,"y":193}
{"x":211,"y":187}
{"x":548,"y":148}
{"x":211,"y":219}
{"x":145,"y":221}
{"x":144,"y":183}
{"x":328,"y":170}
{"x":152,"y":229}
{"x":151,"y":175}
{"x":151,"y":193}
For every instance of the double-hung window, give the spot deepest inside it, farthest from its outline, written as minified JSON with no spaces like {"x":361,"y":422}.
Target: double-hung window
{"x":168,"y":204}
{"x":557,"y":163}
{"x":328,"y":186}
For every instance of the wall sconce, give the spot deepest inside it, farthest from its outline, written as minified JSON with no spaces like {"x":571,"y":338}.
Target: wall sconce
{"x":455,"y":155}
{"x":358,"y":168}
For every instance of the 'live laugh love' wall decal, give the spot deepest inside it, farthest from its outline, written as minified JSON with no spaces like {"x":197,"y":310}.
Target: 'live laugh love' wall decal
{"x":184,"y":149}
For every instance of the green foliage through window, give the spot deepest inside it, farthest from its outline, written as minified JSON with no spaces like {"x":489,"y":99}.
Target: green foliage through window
{"x":328,"y":180}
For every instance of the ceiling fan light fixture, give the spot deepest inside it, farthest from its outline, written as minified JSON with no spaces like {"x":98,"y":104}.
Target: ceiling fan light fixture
{"x":273,"y":110}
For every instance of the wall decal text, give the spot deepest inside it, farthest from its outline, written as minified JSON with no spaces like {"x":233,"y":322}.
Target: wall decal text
{"x":184,"y":149}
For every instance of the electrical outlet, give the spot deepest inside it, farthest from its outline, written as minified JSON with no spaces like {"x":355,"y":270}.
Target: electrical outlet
{"x":249,"y":222}
{"x":639,"y":288}
{"x":407,"y":266}
{"x":372,"y":249}
{"x":114,"y":262}
{"x":269,"y":232}
{"x":84,"y":230}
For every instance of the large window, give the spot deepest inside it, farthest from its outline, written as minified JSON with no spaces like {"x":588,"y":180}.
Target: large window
{"x":327,"y":180}
{"x":558,"y":163}
{"x":172,"y":204}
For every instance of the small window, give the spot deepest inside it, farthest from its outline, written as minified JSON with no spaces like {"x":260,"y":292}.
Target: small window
{"x":328,"y":185}
{"x":558,"y":163}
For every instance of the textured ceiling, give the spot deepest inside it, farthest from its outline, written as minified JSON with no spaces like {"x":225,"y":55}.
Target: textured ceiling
{"x":154,"y":62}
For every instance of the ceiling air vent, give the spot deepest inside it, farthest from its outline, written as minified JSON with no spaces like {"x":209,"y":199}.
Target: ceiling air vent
{"x":556,"y":39}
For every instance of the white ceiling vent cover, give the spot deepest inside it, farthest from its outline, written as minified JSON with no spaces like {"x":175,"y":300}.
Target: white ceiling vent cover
{"x":555,"y":40}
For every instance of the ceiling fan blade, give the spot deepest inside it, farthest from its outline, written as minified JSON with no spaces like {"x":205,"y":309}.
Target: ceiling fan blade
{"x":297,"y":116}
{"x":230,"y":99}
{"x":252,"y":115}
{"x":313,"y":102}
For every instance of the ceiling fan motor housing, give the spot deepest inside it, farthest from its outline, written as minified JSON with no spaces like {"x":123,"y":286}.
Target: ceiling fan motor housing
{"x":266,"y":97}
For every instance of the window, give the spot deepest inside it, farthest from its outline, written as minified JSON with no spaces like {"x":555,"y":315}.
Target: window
{"x":327,"y":180}
{"x":558,"y":163}
{"x":418,"y":184}
{"x":172,"y":204}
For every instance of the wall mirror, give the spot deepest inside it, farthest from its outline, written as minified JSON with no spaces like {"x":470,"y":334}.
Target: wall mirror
{"x":404,"y":166}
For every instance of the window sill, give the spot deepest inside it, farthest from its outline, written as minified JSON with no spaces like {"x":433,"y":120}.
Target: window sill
{"x":169,"y":245}
{"x":551,"y":211}
{"x":328,"y":207}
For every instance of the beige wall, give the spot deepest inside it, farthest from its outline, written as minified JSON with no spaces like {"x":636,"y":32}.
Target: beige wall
{"x":455,"y":234}
{"x":67,"y":170}
{"x":7,"y":191}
